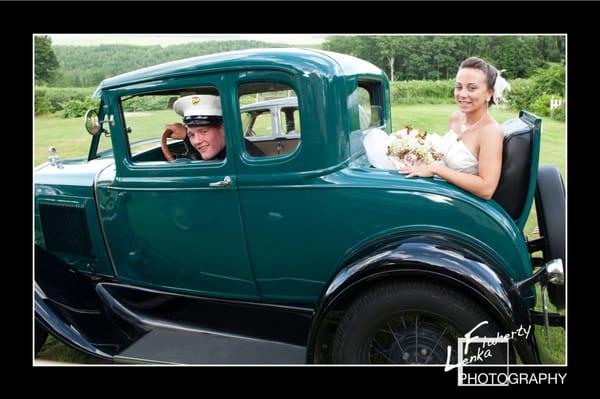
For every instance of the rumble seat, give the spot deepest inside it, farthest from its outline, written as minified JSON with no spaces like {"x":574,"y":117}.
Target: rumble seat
{"x":512,"y":189}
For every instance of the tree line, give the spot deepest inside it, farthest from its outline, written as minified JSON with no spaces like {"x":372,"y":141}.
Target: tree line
{"x":401,"y":57}
{"x":438,"y":57}
{"x":84,"y":66}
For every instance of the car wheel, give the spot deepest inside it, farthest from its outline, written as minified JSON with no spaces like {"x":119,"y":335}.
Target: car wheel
{"x":550,"y":208}
{"x":41,"y":334}
{"x":411,"y":322}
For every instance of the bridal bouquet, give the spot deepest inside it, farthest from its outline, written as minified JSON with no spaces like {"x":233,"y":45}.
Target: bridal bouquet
{"x":406,"y":147}
{"x":409,"y":147}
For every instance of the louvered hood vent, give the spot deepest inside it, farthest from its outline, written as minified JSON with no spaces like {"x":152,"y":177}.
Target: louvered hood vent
{"x":65,"y":229}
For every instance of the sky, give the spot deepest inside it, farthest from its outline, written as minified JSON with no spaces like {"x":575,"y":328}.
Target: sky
{"x":171,"y":39}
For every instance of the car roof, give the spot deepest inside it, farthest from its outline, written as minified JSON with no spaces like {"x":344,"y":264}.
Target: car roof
{"x":323,"y":63}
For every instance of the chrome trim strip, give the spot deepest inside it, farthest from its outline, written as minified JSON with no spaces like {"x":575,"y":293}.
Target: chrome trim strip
{"x":38,"y":291}
{"x":207,"y":187}
{"x":138,"y":361}
{"x":106,"y":246}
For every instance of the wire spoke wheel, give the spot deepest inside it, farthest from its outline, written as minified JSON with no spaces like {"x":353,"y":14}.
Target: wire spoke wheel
{"x":413,"y":338}
{"x":410,"y":322}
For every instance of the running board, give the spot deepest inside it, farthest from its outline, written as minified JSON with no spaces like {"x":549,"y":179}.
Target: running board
{"x":178,"y":346}
{"x":203,"y":331}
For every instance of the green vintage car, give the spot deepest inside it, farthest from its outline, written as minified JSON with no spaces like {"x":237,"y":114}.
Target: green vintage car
{"x":302,"y":255}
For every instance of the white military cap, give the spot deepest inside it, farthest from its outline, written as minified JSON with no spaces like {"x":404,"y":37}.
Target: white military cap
{"x":199,"y":109}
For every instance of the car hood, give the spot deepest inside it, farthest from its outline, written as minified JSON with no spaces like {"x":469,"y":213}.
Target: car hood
{"x":77,"y":172}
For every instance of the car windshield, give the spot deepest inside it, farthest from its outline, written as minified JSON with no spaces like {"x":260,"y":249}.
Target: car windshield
{"x":145,"y":117}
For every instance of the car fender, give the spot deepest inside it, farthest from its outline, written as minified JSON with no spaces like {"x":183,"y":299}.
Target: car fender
{"x":436,"y":257}
{"x":61,"y":330}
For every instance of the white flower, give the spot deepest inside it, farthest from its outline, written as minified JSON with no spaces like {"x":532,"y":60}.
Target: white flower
{"x":400,"y":133}
{"x":433,"y":140}
{"x":405,"y":147}
{"x":410,"y":143}
{"x":499,"y":87}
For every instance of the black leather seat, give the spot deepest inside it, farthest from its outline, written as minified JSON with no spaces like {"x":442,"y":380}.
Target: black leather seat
{"x":516,"y":167}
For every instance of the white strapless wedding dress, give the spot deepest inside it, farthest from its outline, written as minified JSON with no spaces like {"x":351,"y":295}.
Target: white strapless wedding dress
{"x":456,"y":154}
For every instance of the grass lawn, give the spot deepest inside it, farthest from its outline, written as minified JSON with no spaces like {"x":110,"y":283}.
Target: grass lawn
{"x":71,"y":140}
{"x":67,"y":135}
{"x":55,"y":350}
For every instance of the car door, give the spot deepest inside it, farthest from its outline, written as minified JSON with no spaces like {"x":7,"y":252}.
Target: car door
{"x":174,"y":226}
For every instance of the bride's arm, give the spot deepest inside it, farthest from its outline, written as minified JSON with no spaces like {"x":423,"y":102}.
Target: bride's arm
{"x":490,"y":165}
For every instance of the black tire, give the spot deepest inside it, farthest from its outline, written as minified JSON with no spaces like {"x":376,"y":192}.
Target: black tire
{"x":423,"y":318}
{"x":41,"y":334}
{"x":550,"y":208}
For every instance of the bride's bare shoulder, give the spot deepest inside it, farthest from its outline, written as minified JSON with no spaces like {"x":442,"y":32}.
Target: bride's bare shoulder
{"x":454,"y":119}
{"x":455,"y":116}
{"x":492,"y":131}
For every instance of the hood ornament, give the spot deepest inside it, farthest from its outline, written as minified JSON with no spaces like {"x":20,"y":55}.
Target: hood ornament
{"x":54,"y":159}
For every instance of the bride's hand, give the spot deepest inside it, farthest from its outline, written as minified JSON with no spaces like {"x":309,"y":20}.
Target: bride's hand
{"x":422,"y":170}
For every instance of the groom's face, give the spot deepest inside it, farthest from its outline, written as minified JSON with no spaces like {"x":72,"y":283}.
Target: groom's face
{"x":208,"y":140}
{"x":471,"y":91}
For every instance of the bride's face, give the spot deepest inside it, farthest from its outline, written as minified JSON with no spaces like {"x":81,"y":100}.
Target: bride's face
{"x":471,"y":91}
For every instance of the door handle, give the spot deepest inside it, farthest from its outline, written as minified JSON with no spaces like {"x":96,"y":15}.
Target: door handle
{"x":223,"y":183}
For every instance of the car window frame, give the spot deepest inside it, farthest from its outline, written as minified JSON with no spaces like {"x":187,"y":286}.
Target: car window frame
{"x":184,"y":167}
{"x":266,"y":76}
{"x":375,"y":89}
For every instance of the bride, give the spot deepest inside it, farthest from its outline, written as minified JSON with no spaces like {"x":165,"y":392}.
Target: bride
{"x":473,"y":145}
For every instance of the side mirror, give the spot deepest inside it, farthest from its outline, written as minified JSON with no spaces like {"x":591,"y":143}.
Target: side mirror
{"x":92,"y":124}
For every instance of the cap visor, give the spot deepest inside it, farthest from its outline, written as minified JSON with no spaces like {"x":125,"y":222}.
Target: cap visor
{"x":202,"y":120}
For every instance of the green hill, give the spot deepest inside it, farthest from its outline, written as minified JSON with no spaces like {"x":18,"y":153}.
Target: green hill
{"x":83,"y":66}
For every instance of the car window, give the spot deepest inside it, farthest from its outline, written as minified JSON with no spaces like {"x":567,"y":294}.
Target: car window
{"x":145,"y":118}
{"x":290,"y":120}
{"x":270,"y":119}
{"x":246,"y":122}
{"x":370,"y":109}
{"x":259,"y":123}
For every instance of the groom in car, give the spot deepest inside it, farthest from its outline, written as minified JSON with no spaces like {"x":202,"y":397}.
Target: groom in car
{"x":202,"y":124}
